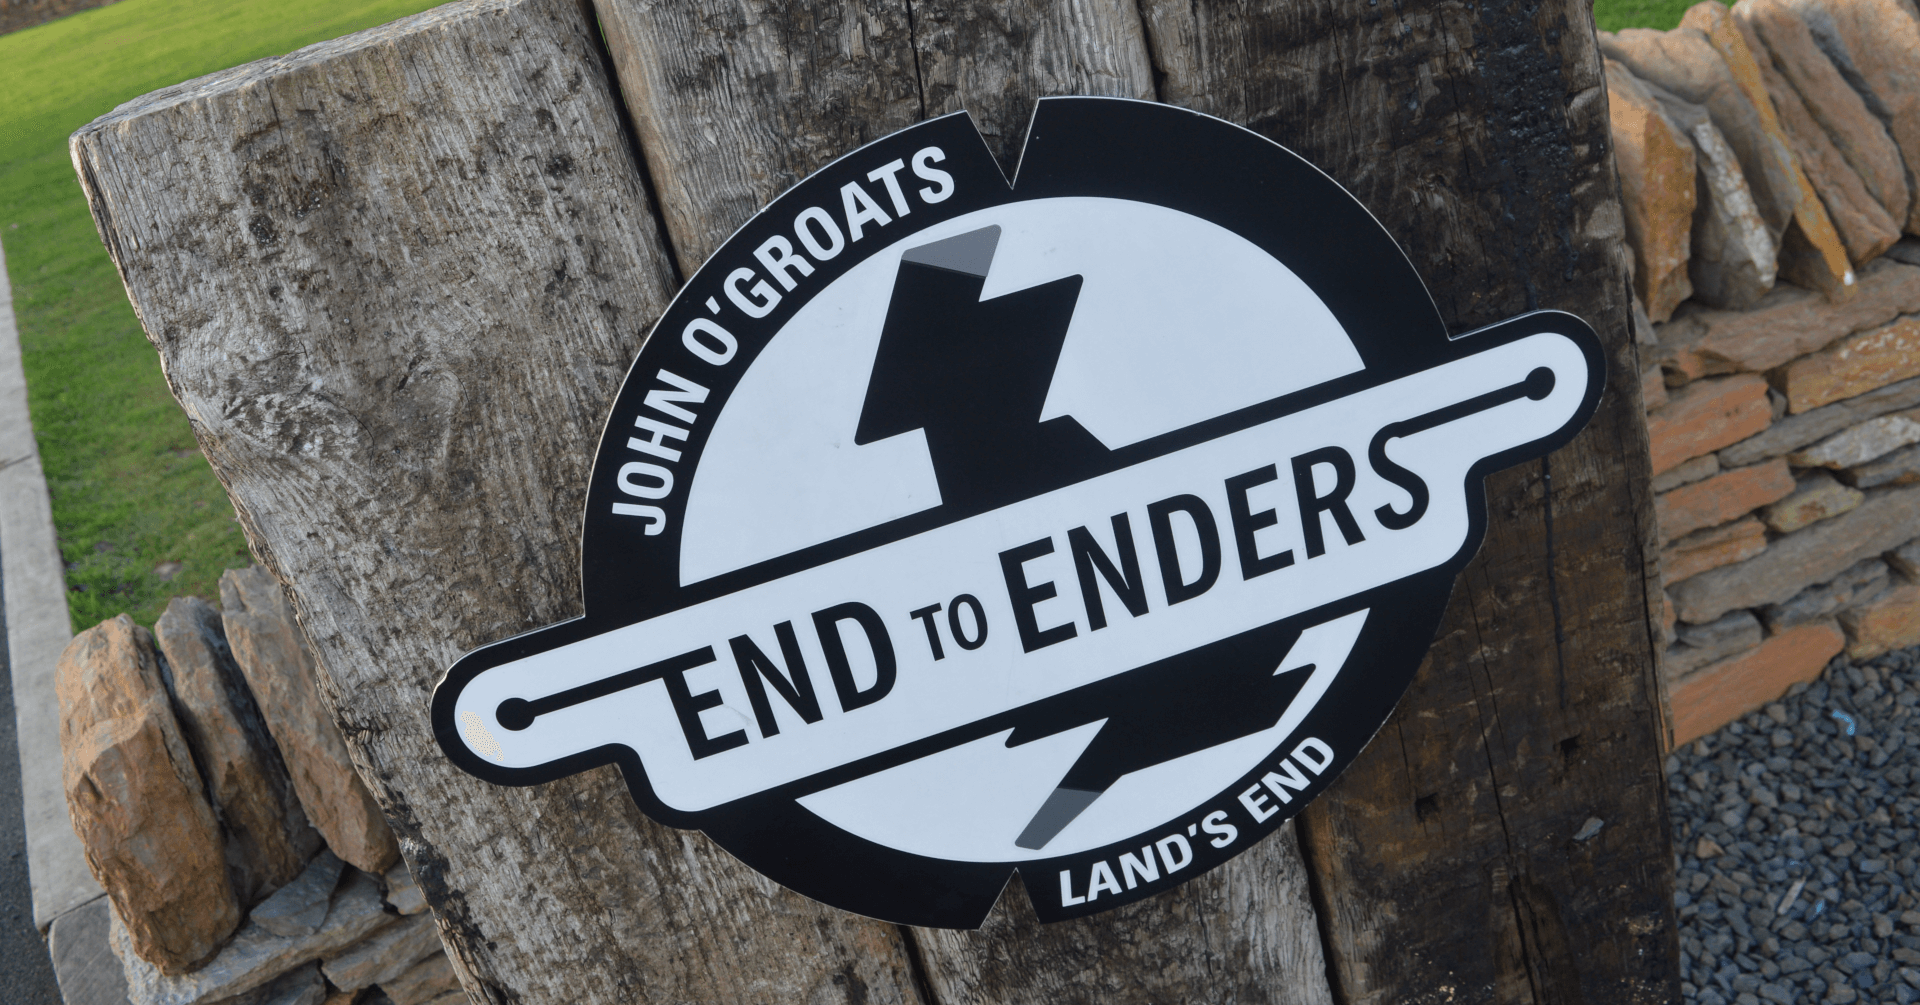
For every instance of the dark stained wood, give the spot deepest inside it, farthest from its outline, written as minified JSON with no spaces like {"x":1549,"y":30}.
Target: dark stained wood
{"x":1444,"y":859}
{"x":395,"y":279}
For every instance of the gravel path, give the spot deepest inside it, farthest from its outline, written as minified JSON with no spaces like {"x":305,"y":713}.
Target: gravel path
{"x":1796,"y":844}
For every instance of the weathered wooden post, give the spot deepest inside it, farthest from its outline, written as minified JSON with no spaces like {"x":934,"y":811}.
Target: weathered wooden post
{"x":395,"y":280}
{"x":1538,"y":709}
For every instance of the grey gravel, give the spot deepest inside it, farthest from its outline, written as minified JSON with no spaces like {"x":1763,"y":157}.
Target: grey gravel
{"x":1784,"y":798}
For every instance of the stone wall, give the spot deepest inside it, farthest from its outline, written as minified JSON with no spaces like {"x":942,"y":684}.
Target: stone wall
{"x":244,"y":859}
{"x":1767,"y":155}
{"x":18,"y":14}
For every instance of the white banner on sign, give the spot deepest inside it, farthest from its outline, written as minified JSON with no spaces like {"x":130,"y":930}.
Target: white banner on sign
{"x":697,"y":730}
{"x":970,"y":803}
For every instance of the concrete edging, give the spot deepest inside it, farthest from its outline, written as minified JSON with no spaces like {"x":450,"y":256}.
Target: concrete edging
{"x":38,"y":629}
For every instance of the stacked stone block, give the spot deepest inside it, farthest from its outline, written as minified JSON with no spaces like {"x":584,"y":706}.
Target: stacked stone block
{"x":244,"y":859}
{"x":1768,"y":155}
{"x":1786,"y":458}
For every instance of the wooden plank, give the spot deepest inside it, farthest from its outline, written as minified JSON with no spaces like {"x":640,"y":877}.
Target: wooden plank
{"x":1477,"y":134}
{"x":995,"y":59}
{"x":735,"y":102}
{"x":395,"y":279}
{"x":1245,"y":932}
{"x":410,"y":374}
{"x":710,"y":127}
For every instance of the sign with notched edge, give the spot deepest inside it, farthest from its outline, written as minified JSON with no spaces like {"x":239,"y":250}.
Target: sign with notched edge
{"x":1082,"y":527}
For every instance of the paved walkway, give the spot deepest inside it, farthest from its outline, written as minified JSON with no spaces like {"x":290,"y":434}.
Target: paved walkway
{"x":44,"y":874}
{"x":26,"y":972}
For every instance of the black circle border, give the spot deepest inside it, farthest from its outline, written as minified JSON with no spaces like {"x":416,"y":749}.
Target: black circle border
{"x":1078,"y":146}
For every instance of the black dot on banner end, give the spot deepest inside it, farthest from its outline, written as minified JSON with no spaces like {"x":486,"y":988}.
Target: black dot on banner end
{"x":1539,"y":383}
{"x":514,"y":713}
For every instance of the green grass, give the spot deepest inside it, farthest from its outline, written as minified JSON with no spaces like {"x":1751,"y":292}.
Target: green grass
{"x":1613,"y":15}
{"x":131,"y":491}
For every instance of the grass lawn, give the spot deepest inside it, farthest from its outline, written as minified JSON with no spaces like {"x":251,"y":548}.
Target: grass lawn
{"x":131,"y":493}
{"x":1613,"y":15}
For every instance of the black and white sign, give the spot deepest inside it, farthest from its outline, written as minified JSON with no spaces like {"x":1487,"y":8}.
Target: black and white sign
{"x":1083,"y":527}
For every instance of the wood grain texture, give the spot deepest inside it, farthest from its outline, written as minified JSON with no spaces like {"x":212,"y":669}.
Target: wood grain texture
{"x":394,"y":280}
{"x":995,"y":59}
{"x":1244,"y":933}
{"x":1477,"y":134}
{"x":736,"y":101}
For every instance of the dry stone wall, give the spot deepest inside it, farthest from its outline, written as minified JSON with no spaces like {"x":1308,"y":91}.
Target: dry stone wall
{"x":272,"y":652}
{"x":1769,"y":154}
{"x":18,"y":14}
{"x":136,"y":798}
{"x":268,"y":839}
{"x":245,"y":861}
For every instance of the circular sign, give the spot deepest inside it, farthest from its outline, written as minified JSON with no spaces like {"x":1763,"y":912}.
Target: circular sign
{"x":1082,"y":527}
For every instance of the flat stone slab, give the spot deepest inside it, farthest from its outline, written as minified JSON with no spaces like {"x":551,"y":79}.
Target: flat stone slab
{"x":257,"y":956}
{"x":1887,"y":520}
{"x":403,"y":891}
{"x":83,"y":960}
{"x":303,"y":986}
{"x":1796,"y":431}
{"x":386,"y":956}
{"x":425,"y":982}
{"x":300,"y":907}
